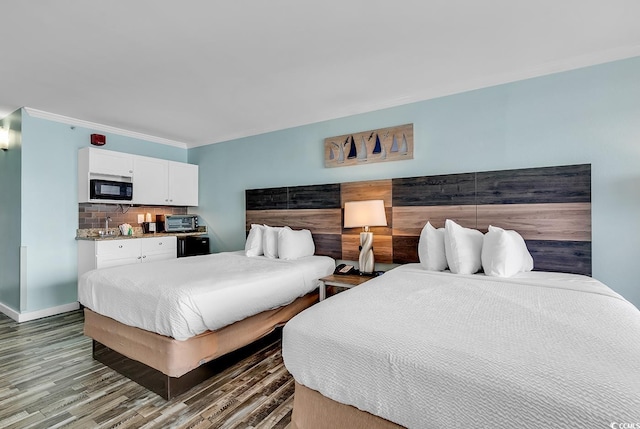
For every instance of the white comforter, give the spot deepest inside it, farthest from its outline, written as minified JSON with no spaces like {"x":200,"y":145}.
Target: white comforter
{"x":184,"y":297}
{"x":438,"y":350}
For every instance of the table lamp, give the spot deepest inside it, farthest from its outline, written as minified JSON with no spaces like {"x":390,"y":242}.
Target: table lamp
{"x":365,"y":214}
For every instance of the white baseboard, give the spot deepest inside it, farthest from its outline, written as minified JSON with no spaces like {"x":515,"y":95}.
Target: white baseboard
{"x":38,"y":314}
{"x":9,"y":312}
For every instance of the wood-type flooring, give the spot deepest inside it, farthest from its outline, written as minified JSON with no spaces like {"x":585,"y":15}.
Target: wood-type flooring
{"x":48,"y":379}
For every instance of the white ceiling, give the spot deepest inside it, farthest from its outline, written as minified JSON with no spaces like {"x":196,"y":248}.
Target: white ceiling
{"x":203,"y":71}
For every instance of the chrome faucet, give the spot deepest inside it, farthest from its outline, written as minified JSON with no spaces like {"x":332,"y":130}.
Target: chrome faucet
{"x":106,"y":225}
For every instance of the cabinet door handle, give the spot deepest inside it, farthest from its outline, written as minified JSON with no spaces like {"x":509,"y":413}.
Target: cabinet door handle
{"x":139,"y":257}
{"x":160,"y":244}
{"x":144,"y":256}
{"x":120,"y":246}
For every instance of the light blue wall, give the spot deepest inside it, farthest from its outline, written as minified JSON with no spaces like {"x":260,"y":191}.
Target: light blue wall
{"x":591,"y":115}
{"x":10,"y":168}
{"x":49,"y":195}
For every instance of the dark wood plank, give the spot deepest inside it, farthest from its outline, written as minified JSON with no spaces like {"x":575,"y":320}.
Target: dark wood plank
{"x":563,"y":184}
{"x":296,"y":197}
{"x":563,"y":256}
{"x":328,"y":245}
{"x":314,"y":197}
{"x":405,"y":249}
{"x":548,"y":255}
{"x":450,"y":189}
{"x":266,"y":199}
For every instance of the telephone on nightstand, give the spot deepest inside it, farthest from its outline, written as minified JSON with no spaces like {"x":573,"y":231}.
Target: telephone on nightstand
{"x":345,"y":269}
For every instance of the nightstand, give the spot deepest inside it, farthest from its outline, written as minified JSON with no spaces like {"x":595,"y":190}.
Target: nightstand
{"x":341,"y":280}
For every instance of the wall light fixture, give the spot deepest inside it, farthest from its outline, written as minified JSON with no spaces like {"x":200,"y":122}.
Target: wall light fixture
{"x":4,"y":138}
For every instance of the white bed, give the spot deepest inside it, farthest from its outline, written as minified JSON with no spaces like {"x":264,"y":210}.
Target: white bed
{"x":433,"y":349}
{"x":165,"y":324}
{"x":184,"y":297}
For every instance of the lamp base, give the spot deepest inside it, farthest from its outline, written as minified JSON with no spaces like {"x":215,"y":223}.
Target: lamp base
{"x":366,"y":260}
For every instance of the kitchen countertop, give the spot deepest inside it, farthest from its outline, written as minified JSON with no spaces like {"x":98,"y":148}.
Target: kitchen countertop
{"x":93,"y":235}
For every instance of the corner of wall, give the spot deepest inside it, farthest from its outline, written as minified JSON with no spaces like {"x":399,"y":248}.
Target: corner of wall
{"x":10,"y":212}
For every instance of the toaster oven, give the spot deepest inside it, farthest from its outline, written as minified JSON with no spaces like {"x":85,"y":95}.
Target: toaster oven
{"x":180,"y":223}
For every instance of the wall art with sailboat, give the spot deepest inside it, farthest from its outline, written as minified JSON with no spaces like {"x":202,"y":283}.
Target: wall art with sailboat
{"x":366,"y":147}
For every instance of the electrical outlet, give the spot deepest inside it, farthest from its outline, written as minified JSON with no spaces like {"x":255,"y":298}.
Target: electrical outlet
{"x":140,"y":218}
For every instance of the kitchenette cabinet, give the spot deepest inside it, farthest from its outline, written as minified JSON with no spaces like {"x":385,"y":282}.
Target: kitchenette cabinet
{"x":155,"y":181}
{"x":94,"y":254}
{"x":182,"y":185}
{"x":109,"y":163}
{"x":161,"y":182}
{"x":150,"y":181}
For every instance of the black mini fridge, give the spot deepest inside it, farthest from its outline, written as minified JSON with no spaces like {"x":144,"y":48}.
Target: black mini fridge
{"x":193,"y":245}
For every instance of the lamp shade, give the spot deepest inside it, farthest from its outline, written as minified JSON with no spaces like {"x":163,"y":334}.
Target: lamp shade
{"x":364,"y":213}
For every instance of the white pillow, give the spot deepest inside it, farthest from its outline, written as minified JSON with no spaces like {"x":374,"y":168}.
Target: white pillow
{"x":431,"y":248}
{"x":504,"y":253}
{"x":295,"y":244}
{"x":463,"y":247}
{"x":253,"y":245}
{"x":270,"y":241}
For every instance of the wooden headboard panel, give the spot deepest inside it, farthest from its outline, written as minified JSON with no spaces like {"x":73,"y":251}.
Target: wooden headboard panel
{"x":549,"y":206}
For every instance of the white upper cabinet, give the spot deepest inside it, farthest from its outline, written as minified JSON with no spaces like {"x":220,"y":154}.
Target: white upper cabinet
{"x":150,"y":182}
{"x":155,"y":181}
{"x":183,"y":184}
{"x":110,"y":163}
{"x":161,"y":182}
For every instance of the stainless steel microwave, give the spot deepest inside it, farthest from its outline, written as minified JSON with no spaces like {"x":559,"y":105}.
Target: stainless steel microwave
{"x":180,"y":223}
{"x":110,"y":190}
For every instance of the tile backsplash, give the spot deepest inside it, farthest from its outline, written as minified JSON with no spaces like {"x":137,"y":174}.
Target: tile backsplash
{"x":91,"y":215}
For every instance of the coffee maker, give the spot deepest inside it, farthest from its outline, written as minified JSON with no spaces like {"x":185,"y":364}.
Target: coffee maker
{"x":148,"y":227}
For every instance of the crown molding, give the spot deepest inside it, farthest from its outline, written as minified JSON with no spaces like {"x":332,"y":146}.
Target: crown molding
{"x":101,"y":127}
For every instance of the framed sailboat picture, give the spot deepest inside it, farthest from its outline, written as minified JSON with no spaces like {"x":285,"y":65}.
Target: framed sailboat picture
{"x":366,"y":147}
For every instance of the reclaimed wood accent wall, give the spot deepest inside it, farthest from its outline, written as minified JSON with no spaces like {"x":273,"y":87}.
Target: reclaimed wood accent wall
{"x":549,"y":206}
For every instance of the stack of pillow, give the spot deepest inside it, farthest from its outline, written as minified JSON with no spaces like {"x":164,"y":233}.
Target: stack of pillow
{"x":499,"y":253}
{"x":279,"y":242}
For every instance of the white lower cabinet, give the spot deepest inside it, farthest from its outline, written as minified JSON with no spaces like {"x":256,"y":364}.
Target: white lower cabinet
{"x":159,"y":248}
{"x":110,"y":253}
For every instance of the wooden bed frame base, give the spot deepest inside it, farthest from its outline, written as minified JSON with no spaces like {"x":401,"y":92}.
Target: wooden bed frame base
{"x":169,"y":367}
{"x":170,"y":387}
{"x":312,"y":410}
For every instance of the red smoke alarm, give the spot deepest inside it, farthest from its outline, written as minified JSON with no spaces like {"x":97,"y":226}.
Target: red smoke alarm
{"x":98,"y":139}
